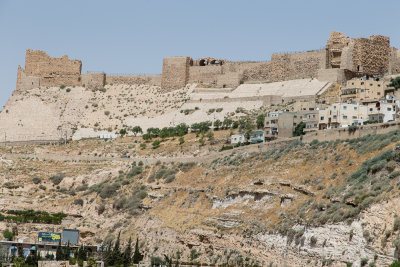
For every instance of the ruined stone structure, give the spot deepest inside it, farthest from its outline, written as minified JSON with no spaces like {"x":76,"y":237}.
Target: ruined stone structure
{"x":360,"y":56}
{"x":342,"y":59}
{"x":43,"y":70}
{"x":175,"y":72}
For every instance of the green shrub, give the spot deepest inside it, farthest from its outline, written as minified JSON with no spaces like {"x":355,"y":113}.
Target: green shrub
{"x":394,"y":174}
{"x":134,"y":171}
{"x":364,"y":261}
{"x":36,"y":180}
{"x":68,"y":90}
{"x":391,"y":165}
{"x":101,"y":209}
{"x":8,"y":235}
{"x":109,"y":190}
{"x":396,"y":224}
{"x":57,"y":179}
{"x":156,"y":144}
{"x":42,"y":187}
{"x":10,"y":185}
{"x":78,"y":201}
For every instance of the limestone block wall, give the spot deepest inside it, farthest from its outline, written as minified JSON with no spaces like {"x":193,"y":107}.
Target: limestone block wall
{"x":204,"y":74}
{"x":134,"y":79}
{"x":335,"y":75}
{"x":175,"y":73}
{"x":93,"y":80}
{"x":25,"y":82}
{"x":296,"y":66}
{"x":371,"y":56}
{"x":52,"y":71}
{"x":257,"y":72}
{"x":395,"y":61}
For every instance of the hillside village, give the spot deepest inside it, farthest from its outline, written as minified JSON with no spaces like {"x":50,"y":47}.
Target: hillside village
{"x":287,"y":162}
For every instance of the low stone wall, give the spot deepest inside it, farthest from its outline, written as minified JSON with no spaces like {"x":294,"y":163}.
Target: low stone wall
{"x":134,"y":79}
{"x":344,"y":133}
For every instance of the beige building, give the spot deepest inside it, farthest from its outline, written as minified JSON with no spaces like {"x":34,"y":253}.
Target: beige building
{"x":365,"y":90}
{"x":283,"y":124}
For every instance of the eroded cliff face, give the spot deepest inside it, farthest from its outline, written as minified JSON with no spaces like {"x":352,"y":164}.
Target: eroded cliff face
{"x":285,"y":204}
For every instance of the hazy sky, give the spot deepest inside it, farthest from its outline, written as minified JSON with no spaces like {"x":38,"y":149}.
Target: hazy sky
{"x":132,"y":37}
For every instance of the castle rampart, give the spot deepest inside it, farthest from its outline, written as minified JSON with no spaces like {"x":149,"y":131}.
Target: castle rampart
{"x":342,"y":58}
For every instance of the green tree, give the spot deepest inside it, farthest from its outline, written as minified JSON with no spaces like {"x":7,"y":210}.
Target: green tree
{"x":146,"y":137}
{"x":8,"y":234}
{"x":156,"y":144}
{"x":20,"y":250}
{"x":227,"y":123}
{"x":181,"y":140}
{"x":127,"y":256}
{"x":210,"y":136}
{"x":201,"y":140}
{"x":217,"y":124}
{"x":136,"y":130}
{"x":395,"y":83}
{"x":260,"y":121}
{"x":137,"y":257}
{"x":153,"y":132}
{"x":122,"y":132}
{"x":164,"y":133}
{"x":59,"y":252}
{"x":395,"y":264}
{"x":298,"y":131}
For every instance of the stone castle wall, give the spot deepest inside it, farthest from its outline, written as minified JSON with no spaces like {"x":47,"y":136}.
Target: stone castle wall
{"x":52,"y":71}
{"x":395,"y":61}
{"x":371,"y":56}
{"x":361,"y":56}
{"x":296,"y":66}
{"x":134,"y":79}
{"x":175,"y":73}
{"x":93,"y":80}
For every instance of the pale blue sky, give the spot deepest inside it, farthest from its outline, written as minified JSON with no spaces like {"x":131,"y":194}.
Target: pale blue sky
{"x":132,"y":37}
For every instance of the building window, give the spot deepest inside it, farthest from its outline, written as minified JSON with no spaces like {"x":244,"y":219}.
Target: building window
{"x":334,"y":107}
{"x":352,"y":83}
{"x":355,"y":108}
{"x":345,"y":107}
{"x":379,"y":93}
{"x":389,"y":109}
{"x":362,"y":83}
{"x":379,"y":85}
{"x":322,"y":118}
{"x":344,"y":117}
{"x":335,"y":117}
{"x":378,"y":109}
{"x":370,"y":109}
{"x":362,"y":90}
{"x":370,"y":84}
{"x":354,"y":117}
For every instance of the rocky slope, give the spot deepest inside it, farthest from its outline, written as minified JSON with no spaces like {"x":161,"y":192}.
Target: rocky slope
{"x":275,"y":204}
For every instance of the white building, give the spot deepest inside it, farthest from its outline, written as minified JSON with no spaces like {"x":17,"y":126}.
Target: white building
{"x":238,"y":138}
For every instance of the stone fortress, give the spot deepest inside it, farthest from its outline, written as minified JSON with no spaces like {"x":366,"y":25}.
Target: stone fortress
{"x":186,"y":91}
{"x":343,"y":58}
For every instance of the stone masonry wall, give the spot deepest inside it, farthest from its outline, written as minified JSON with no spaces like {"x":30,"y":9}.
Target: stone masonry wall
{"x":175,"y":73}
{"x":371,"y":56}
{"x":25,"y":82}
{"x":395,"y":61}
{"x":296,"y":66}
{"x":134,"y":79}
{"x":93,"y":80}
{"x":52,"y":71}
